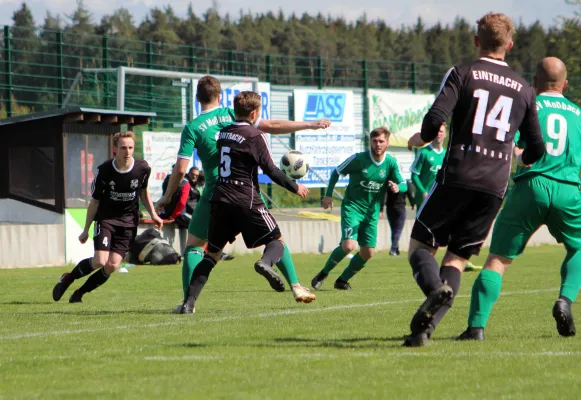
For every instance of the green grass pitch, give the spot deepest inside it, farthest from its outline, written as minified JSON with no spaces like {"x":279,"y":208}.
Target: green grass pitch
{"x":246,"y":341}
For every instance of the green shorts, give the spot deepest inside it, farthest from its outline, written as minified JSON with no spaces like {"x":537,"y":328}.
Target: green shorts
{"x":355,"y":226}
{"x":534,"y":202}
{"x":201,"y":217}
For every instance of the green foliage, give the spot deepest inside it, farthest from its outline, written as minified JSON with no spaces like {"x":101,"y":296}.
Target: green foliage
{"x":209,"y":41}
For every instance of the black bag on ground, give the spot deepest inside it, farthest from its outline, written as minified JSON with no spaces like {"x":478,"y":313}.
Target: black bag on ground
{"x":150,"y":247}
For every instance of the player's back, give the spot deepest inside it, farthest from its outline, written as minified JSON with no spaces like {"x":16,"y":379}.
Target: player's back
{"x":201,"y":133}
{"x":241,"y":148}
{"x":560,"y":121}
{"x":492,"y":103}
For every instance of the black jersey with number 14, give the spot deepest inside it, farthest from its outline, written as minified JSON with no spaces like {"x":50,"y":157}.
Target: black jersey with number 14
{"x":489,"y":102}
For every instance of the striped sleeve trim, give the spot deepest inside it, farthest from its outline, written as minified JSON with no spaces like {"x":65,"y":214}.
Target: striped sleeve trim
{"x":344,"y":164}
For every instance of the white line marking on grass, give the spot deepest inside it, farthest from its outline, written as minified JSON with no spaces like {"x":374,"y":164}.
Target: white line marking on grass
{"x":193,"y":319}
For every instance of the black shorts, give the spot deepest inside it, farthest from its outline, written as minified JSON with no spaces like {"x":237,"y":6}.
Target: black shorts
{"x":257,"y":225}
{"x":458,"y":218}
{"x":109,"y":237}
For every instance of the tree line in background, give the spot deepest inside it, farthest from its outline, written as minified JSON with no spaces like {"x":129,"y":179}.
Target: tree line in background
{"x":329,"y":37}
{"x":277,"y":34}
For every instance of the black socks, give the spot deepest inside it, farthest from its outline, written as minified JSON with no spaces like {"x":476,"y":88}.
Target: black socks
{"x":426,"y":270}
{"x":83,"y":268}
{"x":94,"y":281}
{"x":273,"y":252}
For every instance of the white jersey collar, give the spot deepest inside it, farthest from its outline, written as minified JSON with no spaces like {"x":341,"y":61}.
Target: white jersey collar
{"x":551,"y":94}
{"x":123,"y":172}
{"x":209,"y":110}
{"x":436,"y":151}
{"x":378,"y":163}
{"x":498,"y":62}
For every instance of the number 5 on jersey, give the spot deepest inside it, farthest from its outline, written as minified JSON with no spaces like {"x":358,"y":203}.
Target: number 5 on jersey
{"x":225,"y":162}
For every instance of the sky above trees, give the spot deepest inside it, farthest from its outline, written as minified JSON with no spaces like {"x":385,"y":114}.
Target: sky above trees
{"x":393,"y":12}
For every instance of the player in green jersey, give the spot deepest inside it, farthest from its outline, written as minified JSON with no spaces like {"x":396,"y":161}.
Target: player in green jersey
{"x":371,"y":173}
{"x":546,"y":193}
{"x":426,"y":165}
{"x":201,"y":134}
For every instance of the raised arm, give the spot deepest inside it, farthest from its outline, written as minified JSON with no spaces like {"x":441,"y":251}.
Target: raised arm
{"x":281,"y":127}
{"x":264,"y":159}
{"x":440,"y":111}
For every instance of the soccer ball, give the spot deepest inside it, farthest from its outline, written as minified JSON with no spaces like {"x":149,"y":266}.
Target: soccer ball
{"x":294,"y":164}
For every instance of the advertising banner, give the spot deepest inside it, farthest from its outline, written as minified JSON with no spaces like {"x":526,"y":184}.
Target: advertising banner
{"x":401,"y":113}
{"x":325,"y":149}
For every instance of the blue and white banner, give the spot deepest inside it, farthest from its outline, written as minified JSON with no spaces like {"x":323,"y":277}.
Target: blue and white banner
{"x":325,"y":149}
{"x":230,"y":90}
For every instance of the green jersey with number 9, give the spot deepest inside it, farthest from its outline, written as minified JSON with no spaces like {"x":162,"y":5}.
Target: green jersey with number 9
{"x":560,"y":121}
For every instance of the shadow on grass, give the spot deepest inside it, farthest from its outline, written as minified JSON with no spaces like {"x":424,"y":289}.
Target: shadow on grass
{"x":345,"y":343}
{"x":25,"y":303}
{"x":104,"y":312}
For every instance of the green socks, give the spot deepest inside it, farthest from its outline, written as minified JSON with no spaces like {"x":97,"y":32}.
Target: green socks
{"x":485,"y":292}
{"x":287,"y":267}
{"x":335,"y":258}
{"x":355,"y":265}
{"x":192,"y":256}
{"x":571,"y":275}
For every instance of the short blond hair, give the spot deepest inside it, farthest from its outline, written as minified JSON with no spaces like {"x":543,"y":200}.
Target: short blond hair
{"x":123,"y":135}
{"x":495,"y":32}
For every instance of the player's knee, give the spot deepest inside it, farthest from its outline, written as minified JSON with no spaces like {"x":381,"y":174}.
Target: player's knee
{"x":195,"y":241}
{"x":214,"y":256}
{"x":98,"y":261}
{"x":111,"y":267}
{"x":366,"y":253}
{"x":348,"y":246}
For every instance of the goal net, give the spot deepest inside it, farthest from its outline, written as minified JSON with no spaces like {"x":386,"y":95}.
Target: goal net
{"x":170,"y":94}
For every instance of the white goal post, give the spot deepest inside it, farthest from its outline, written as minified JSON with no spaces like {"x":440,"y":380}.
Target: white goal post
{"x":122,"y":72}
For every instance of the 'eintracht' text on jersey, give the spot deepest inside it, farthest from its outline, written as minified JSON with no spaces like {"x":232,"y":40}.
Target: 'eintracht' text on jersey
{"x":241,"y":150}
{"x":118,"y":192}
{"x":489,"y":102}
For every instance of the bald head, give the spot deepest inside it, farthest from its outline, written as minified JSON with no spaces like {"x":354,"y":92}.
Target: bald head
{"x":551,"y":75}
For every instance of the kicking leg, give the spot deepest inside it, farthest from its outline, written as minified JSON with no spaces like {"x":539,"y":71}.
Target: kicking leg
{"x":273,"y":252}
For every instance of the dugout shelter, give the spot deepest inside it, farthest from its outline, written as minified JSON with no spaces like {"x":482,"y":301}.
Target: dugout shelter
{"x":47,"y":163}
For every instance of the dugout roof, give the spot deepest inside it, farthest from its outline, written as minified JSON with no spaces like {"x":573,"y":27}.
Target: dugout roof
{"x":48,"y":158}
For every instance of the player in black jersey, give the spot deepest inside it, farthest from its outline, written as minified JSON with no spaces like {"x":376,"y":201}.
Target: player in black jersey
{"x":236,"y":205}
{"x":114,"y":208}
{"x":488,"y":102}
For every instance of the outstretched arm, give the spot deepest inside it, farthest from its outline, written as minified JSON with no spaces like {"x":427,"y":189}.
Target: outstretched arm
{"x":281,"y":127}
